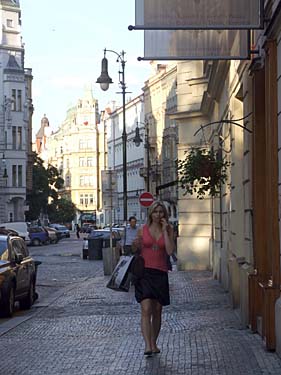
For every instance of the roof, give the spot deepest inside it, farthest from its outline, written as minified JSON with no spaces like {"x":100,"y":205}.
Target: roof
{"x":12,"y":65}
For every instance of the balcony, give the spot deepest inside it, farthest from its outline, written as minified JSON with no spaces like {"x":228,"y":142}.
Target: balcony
{"x":143,"y":172}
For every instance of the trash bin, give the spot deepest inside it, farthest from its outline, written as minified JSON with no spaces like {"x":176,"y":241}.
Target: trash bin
{"x":95,"y":248}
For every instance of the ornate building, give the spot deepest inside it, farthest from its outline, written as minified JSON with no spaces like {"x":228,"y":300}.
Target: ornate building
{"x":15,"y":116}
{"x":78,"y":149}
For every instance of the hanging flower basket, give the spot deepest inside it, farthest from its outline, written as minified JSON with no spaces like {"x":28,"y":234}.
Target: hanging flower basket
{"x":202,"y":172}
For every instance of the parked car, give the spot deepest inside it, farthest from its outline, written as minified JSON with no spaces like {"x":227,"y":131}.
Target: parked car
{"x":17,"y":274}
{"x":53,"y":234}
{"x":102,"y":234}
{"x":62,"y":230}
{"x":20,"y":227}
{"x":38,"y":236}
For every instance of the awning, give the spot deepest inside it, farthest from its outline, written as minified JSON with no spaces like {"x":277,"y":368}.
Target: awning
{"x":198,"y":14}
{"x":196,"y":45}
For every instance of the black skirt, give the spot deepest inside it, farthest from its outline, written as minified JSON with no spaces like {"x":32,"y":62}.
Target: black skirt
{"x":153,"y":285}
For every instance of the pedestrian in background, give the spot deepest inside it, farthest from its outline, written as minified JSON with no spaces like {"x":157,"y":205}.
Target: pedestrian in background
{"x":155,"y":242}
{"x":130,"y":234}
{"x":77,"y":231}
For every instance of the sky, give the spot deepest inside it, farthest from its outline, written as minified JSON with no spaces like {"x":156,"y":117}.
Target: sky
{"x":64,"y":42}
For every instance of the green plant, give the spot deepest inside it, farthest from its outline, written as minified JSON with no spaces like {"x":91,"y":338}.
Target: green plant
{"x":202,"y":172}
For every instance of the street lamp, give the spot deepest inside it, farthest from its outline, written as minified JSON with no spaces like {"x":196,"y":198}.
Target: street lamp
{"x":104,"y":80}
{"x":137,"y":140}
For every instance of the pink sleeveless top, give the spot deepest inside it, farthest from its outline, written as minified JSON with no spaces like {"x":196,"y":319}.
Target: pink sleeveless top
{"x":153,"y":252}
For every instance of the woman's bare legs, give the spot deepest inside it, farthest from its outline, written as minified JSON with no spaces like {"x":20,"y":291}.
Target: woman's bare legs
{"x":155,"y":324}
{"x":146,"y":311}
{"x":151,"y":311}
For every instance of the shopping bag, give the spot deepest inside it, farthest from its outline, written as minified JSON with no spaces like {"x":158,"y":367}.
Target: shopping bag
{"x":120,"y":280}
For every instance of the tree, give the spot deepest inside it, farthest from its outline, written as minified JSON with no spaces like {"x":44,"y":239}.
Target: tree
{"x":61,"y":211}
{"x":38,"y":197}
{"x":45,"y":184}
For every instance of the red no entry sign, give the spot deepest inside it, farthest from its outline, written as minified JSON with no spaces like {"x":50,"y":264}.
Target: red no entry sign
{"x":146,"y":199}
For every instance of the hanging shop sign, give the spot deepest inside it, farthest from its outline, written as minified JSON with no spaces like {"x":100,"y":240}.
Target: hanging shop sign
{"x":196,"y":45}
{"x":198,"y":14}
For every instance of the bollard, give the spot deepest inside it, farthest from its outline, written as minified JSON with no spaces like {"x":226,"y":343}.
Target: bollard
{"x":110,"y":259}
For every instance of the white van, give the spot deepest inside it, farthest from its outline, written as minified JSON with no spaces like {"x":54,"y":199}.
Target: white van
{"x":20,"y":227}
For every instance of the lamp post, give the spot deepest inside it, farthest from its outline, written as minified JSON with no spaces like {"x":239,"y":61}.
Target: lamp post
{"x":137,"y":140}
{"x":104,"y":80}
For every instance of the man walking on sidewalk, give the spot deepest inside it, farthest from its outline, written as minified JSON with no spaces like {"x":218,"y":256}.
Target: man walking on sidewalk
{"x":129,"y":236}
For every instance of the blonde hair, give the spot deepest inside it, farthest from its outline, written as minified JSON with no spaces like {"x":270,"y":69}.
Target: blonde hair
{"x":152,"y":209}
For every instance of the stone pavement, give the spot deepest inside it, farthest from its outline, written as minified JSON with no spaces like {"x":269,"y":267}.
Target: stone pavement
{"x":91,"y":330}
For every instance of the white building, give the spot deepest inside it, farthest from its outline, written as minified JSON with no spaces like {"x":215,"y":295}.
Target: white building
{"x":113,"y":122}
{"x":15,"y":116}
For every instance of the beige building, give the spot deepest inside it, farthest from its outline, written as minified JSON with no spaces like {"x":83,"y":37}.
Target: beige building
{"x":161,"y":135}
{"x":237,"y":234}
{"x":78,"y":150}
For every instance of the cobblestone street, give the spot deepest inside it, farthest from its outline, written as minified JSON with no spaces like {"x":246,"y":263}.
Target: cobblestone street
{"x":88,"y":329}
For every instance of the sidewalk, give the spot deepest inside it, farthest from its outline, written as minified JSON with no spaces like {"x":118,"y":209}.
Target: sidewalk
{"x":91,"y":330}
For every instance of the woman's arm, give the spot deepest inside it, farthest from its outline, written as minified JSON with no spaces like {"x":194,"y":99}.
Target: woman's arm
{"x":168,"y":236}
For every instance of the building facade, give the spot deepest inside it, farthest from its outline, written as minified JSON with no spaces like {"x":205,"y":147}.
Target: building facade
{"x":77,"y":149}
{"x":113,"y":122}
{"x":15,"y":117}
{"x":161,"y":135}
{"x":234,"y":107}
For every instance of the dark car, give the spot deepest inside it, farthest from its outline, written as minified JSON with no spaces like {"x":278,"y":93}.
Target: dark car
{"x":38,"y":236}
{"x":100,"y":234}
{"x":17,"y":274}
{"x":63,"y":231}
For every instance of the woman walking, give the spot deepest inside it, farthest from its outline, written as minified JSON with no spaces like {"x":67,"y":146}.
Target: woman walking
{"x":155,"y":241}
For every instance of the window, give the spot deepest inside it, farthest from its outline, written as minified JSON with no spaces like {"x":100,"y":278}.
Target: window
{"x":86,"y":180}
{"x":67,"y":181}
{"x":19,"y":103}
{"x":3,"y":250}
{"x":14,"y":137}
{"x":19,"y":138}
{"x":20,"y":175}
{"x":86,"y":144}
{"x":20,"y":248}
{"x":82,"y":162}
{"x":9,"y":23}
{"x":82,"y":144}
{"x":14,"y":175}
{"x":89,"y":162}
{"x":14,"y":100}
{"x":86,"y":199}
